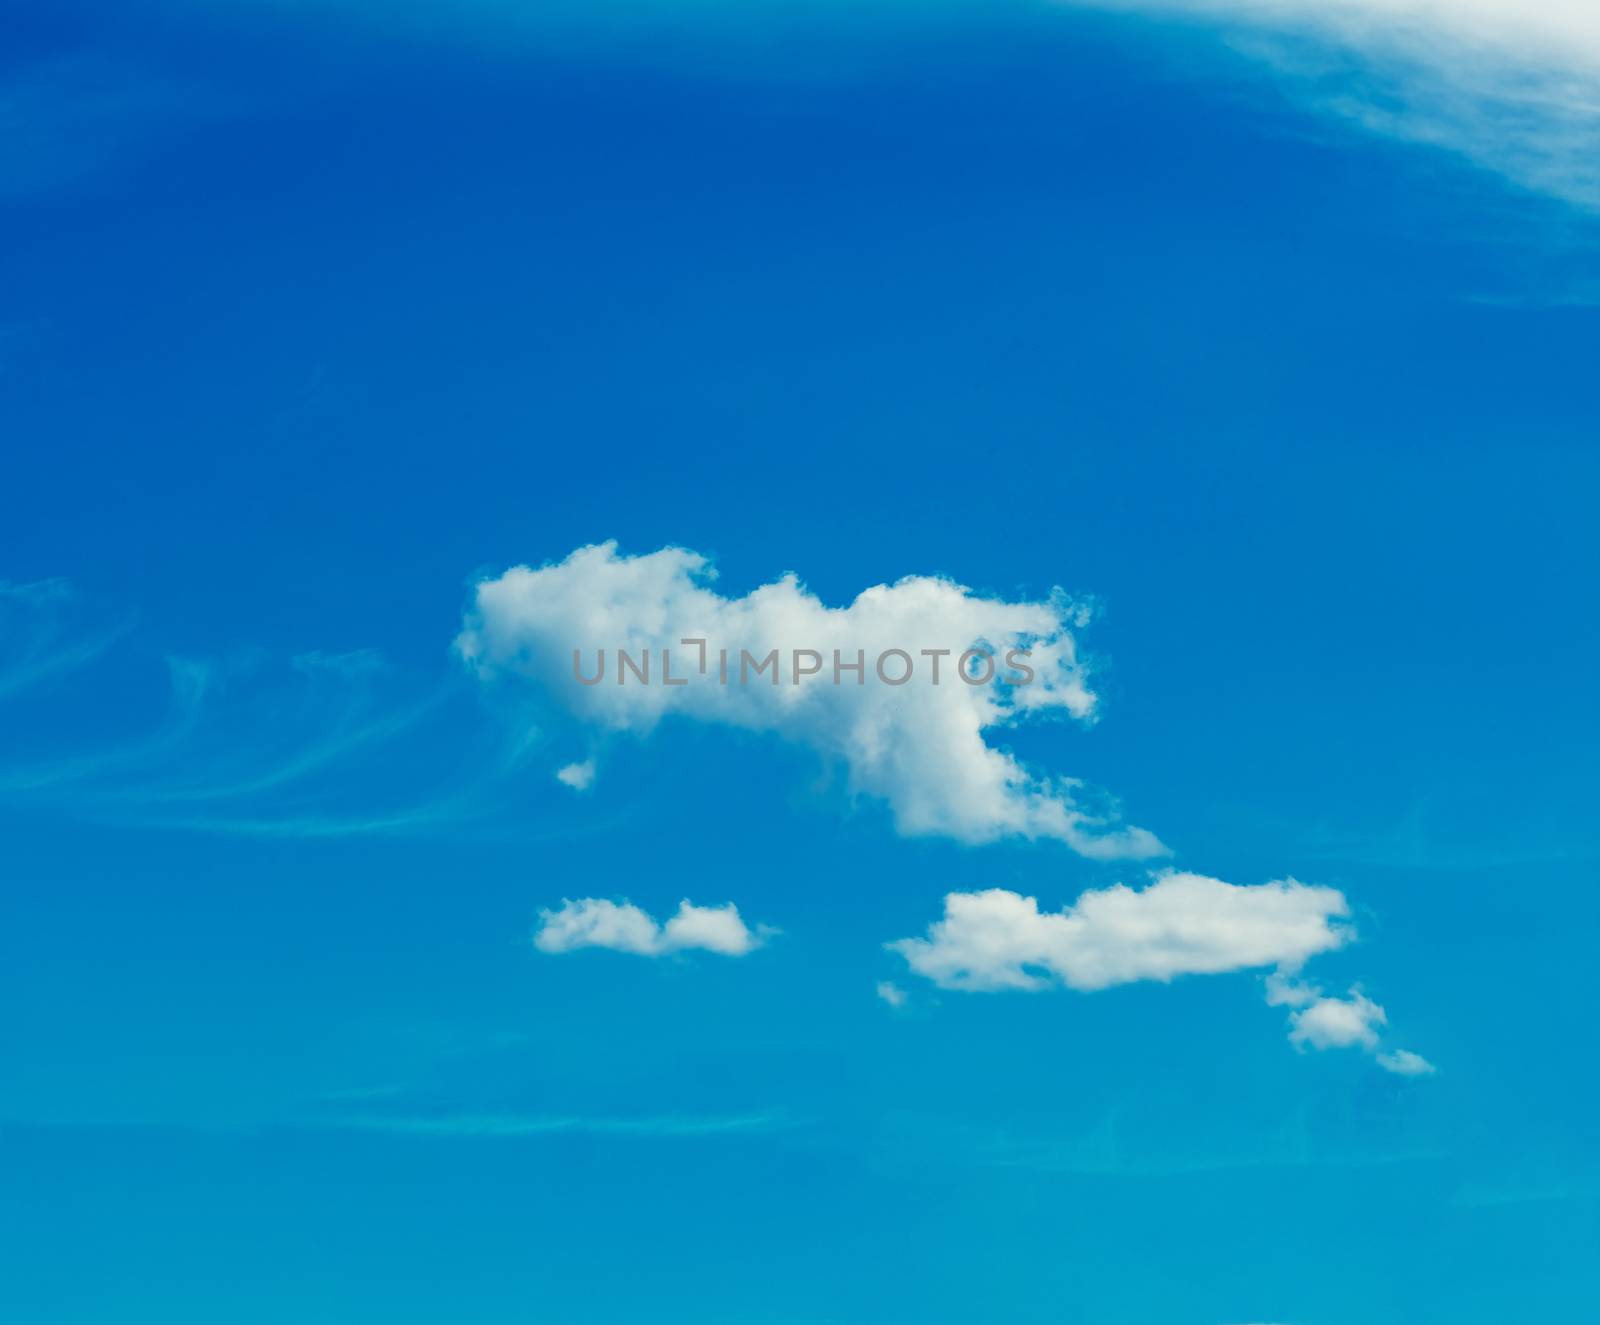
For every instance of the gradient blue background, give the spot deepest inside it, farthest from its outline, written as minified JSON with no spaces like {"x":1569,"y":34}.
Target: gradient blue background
{"x":309,"y":316}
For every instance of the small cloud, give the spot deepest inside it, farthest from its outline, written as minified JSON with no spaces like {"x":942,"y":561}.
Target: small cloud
{"x":1284,"y":991}
{"x":580,"y":777}
{"x":713,"y":928}
{"x":1181,"y":924}
{"x":597,"y":922}
{"x":1402,"y":1062}
{"x":1337,"y":1023}
{"x":891,"y":993}
{"x":1321,"y":1022}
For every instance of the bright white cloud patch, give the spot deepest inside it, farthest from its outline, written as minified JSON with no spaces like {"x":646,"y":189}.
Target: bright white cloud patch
{"x":595,"y":922}
{"x":919,"y":746}
{"x":1512,"y":84}
{"x":1181,"y":924}
{"x":1337,"y":1023}
{"x":891,"y":993}
{"x":1319,"y":1021}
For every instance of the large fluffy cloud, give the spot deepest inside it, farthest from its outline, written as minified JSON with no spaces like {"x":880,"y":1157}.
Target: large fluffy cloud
{"x":597,"y":922}
{"x":1181,"y":924}
{"x":1512,"y":84}
{"x":919,"y":746}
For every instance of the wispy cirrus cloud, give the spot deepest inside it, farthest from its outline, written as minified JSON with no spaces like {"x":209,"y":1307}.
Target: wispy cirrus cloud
{"x":491,"y":1126}
{"x":41,"y":637}
{"x":460,"y":1123}
{"x":83,"y":116}
{"x":1511,"y":85}
{"x":312,"y":745}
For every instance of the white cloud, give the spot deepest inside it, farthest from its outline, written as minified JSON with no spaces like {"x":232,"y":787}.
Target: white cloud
{"x":714,"y":928}
{"x":1319,"y":1021}
{"x":1283,"y":990}
{"x":595,"y":922}
{"x":1513,"y":85}
{"x":1404,"y":1063}
{"x":891,"y":993}
{"x":1181,"y":924}
{"x":920,"y":746}
{"x":580,"y":777}
{"x":1337,"y":1023}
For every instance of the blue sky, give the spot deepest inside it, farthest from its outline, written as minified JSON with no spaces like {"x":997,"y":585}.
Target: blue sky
{"x":1269,"y":343}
